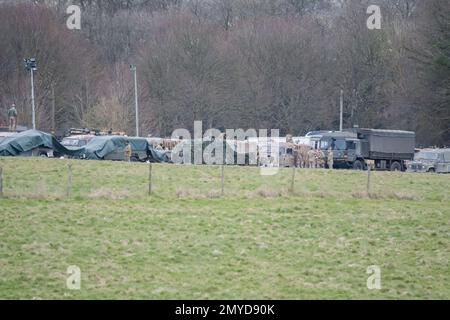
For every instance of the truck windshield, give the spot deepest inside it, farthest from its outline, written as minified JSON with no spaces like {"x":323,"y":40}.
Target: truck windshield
{"x":351,"y":145}
{"x":426,"y":156}
{"x":339,"y":145}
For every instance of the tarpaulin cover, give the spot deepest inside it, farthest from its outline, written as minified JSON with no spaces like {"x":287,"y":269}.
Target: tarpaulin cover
{"x":157,"y":155}
{"x":29,"y":140}
{"x":96,"y":149}
{"x":99,"y":147}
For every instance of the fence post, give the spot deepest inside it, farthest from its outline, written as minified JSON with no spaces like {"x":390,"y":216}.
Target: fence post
{"x":368,"y":180}
{"x":69,"y":180}
{"x":150,"y":179}
{"x":222,"y":179}
{"x":293,"y":179}
{"x":1,"y":182}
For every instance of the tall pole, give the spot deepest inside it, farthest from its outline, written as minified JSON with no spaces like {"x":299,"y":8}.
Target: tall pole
{"x":342,"y":111}
{"x":1,"y":182}
{"x":149,"y":178}
{"x":222,"y":178}
{"x":53,"y":109}
{"x":133,"y":68}
{"x":32,"y":100}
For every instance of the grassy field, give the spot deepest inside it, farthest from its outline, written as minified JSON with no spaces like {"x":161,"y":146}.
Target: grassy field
{"x":261,"y":240}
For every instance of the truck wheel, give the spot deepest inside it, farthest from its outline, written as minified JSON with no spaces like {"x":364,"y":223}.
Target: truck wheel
{"x":358,"y":165}
{"x":431,"y":170}
{"x":134,"y":159}
{"x":396,"y":166}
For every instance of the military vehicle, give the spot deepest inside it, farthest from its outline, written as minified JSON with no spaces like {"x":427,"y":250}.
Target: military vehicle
{"x":113,"y":148}
{"x":32,"y":143}
{"x":76,"y":141}
{"x":354,"y":148}
{"x":431,"y":160}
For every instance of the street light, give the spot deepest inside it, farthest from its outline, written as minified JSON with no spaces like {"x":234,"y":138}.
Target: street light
{"x":341,"y":113}
{"x":133,"y":69}
{"x":31,"y":65}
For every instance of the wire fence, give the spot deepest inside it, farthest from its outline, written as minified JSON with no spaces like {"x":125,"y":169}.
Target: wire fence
{"x":58,"y":178}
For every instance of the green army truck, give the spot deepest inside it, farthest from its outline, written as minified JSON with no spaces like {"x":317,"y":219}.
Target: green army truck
{"x":356,"y":148}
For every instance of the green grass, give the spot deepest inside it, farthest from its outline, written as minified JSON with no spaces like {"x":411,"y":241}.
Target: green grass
{"x":259,"y":241}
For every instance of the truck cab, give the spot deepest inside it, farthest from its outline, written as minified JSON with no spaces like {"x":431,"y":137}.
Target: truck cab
{"x":345,"y":147}
{"x":357,"y":148}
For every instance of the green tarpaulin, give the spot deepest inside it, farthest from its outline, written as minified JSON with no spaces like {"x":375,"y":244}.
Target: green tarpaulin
{"x":31,"y":139}
{"x":157,"y":156}
{"x":98,"y":148}
{"x":112,"y":147}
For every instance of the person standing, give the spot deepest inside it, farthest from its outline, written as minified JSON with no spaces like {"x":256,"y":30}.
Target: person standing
{"x":312,"y":159}
{"x":12,"y":116}
{"x":320,"y":159}
{"x":128,"y":152}
{"x":330,"y":159}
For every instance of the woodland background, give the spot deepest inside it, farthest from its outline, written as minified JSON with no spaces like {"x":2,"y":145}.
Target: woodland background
{"x":231,"y":63}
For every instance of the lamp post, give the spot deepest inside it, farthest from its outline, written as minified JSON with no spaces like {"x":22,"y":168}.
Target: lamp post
{"x":133,"y":69}
{"x":341,"y":113}
{"x":31,"y":65}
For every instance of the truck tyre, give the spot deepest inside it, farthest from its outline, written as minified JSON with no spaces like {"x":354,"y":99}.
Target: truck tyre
{"x":358,"y":165}
{"x":431,"y":170}
{"x":396,"y":166}
{"x":134,"y":159}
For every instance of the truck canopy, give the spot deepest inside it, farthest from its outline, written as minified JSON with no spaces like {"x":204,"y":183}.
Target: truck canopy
{"x":388,"y":144}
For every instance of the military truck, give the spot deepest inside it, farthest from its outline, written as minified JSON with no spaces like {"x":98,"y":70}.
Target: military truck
{"x":356,"y":148}
{"x":431,"y":160}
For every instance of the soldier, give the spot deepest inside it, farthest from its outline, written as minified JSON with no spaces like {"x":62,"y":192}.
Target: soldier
{"x":12,"y":115}
{"x":311,"y":158}
{"x":320,"y":158}
{"x":303,"y":152}
{"x":330,"y":160}
{"x":298,"y":158}
{"x":128,"y":152}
